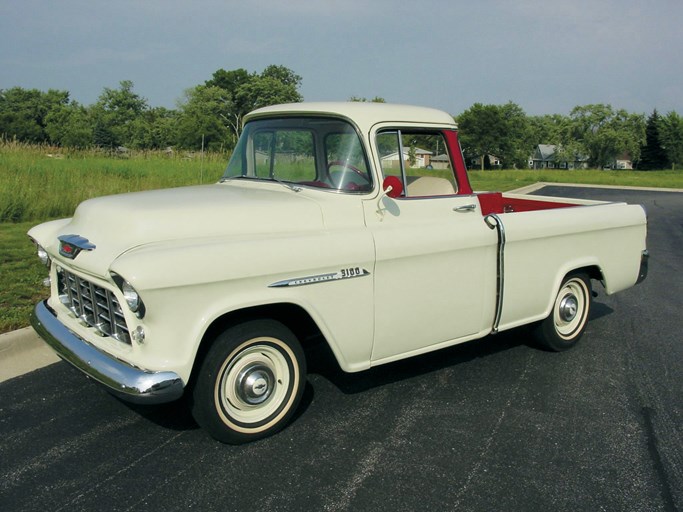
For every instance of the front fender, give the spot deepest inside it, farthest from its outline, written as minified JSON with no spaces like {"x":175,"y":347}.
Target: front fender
{"x":187,"y":286}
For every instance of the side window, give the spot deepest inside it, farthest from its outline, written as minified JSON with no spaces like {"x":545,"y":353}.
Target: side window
{"x":420,"y":159}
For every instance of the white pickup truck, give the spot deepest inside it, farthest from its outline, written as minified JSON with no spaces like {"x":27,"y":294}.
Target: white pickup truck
{"x":353,"y":223}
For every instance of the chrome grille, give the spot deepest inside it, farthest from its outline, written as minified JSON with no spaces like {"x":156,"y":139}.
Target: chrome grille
{"x":93,"y":305}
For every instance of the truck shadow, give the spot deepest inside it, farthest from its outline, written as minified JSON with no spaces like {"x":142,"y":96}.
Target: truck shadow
{"x":321,"y":361}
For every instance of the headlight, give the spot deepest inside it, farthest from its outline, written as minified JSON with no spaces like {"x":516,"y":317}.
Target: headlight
{"x":43,"y":256}
{"x":131,"y":296}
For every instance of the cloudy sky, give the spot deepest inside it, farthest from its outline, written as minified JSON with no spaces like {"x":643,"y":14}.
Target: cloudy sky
{"x":546,"y":55}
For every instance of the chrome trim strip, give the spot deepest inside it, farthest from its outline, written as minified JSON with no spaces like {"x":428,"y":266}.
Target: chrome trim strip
{"x":493,"y":221}
{"x":346,"y":273}
{"x":123,"y":380}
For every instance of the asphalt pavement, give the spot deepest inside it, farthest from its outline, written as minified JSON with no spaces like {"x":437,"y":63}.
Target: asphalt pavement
{"x":490,"y":425}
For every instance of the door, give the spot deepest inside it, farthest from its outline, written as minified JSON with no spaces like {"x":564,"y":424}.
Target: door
{"x":435,"y":271}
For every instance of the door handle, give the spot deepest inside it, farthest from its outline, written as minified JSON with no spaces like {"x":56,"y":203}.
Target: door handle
{"x":465,"y":208}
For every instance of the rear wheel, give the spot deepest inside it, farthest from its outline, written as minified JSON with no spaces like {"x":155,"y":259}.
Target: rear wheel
{"x":250,"y":382}
{"x":565,"y":325}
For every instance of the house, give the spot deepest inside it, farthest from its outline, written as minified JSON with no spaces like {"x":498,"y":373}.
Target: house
{"x":422,"y":158}
{"x":494,"y":161}
{"x":440,"y":161}
{"x":544,"y":157}
{"x":623,"y":161}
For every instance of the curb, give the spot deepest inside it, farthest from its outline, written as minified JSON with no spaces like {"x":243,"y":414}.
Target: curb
{"x":23,"y":351}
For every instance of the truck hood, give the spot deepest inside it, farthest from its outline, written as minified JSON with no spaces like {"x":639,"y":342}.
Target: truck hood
{"x":116,"y":224}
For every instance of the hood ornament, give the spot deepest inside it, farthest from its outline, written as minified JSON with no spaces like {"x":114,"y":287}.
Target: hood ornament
{"x":71,"y":245}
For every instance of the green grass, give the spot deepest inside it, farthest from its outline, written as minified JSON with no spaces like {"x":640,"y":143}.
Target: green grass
{"x":21,"y":276}
{"x":38,"y":183}
{"x":512,"y":179}
{"x":35,"y":187}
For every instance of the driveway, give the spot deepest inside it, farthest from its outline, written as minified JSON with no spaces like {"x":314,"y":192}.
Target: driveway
{"x":489,"y":425}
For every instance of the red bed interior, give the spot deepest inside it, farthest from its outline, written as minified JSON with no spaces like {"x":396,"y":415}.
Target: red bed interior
{"x":494,"y":202}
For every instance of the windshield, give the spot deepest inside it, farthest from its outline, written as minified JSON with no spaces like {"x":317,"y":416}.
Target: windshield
{"x":316,"y":152}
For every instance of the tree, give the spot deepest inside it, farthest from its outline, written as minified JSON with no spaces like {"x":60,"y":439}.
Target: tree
{"x":70,"y":126}
{"x":23,"y":112}
{"x":229,"y":81}
{"x":481,"y":131}
{"x":519,"y":142}
{"x":549,"y":129}
{"x":671,"y":136}
{"x":117,"y":115}
{"x":376,"y":99}
{"x":500,"y":130}
{"x":203,"y":116}
{"x":284,"y":75}
{"x":603,"y":133}
{"x":653,"y":155}
{"x":244,"y":92}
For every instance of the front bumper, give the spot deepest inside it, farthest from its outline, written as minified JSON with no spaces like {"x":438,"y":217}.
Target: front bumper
{"x":123,"y":380}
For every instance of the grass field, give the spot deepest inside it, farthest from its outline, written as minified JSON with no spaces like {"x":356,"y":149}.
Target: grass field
{"x":37,"y":184}
{"x":21,"y":275}
{"x":509,"y":180}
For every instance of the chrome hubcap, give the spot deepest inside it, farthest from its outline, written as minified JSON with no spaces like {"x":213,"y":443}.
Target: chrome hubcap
{"x":569,"y":306}
{"x":254,"y":384}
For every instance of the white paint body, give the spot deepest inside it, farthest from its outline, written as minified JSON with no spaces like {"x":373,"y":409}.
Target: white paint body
{"x":196,"y":254}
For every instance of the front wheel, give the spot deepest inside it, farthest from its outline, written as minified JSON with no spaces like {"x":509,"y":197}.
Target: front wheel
{"x":565,"y":325}
{"x":250,"y":382}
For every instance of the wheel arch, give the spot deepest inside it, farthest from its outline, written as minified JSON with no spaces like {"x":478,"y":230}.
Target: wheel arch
{"x":592,"y":270}
{"x":569,"y":311}
{"x":293,"y":316}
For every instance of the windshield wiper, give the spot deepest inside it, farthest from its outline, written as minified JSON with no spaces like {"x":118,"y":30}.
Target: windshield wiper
{"x":228,"y":178}
{"x":290,"y":186}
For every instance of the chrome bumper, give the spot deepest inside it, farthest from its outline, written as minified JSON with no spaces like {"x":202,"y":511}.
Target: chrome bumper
{"x":123,"y":380}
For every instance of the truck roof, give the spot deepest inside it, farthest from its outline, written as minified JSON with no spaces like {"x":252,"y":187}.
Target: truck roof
{"x":363,"y":114}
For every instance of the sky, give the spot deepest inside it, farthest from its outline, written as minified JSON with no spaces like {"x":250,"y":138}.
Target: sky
{"x":547,"y":56}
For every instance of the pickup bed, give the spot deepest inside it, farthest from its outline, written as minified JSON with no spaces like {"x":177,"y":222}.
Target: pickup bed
{"x":351,"y":223}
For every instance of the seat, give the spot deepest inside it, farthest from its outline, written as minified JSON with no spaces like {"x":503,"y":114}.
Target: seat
{"x":430,"y":186}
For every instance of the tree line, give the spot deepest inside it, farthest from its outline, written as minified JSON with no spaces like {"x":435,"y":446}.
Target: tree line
{"x":210,"y":116}
{"x":596,"y":134}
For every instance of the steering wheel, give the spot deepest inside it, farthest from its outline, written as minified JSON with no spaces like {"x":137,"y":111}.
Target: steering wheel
{"x":355,"y":170}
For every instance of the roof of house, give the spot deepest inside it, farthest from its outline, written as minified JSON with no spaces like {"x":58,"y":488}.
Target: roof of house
{"x":406,"y":152}
{"x":546,"y":151}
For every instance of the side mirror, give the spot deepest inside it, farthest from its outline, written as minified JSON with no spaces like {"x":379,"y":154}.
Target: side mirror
{"x":393,"y":186}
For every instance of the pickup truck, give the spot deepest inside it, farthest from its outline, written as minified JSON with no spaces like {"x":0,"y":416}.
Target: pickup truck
{"x":351,"y":223}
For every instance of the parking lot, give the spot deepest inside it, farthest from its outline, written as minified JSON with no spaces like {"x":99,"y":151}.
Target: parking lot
{"x":490,"y":425}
